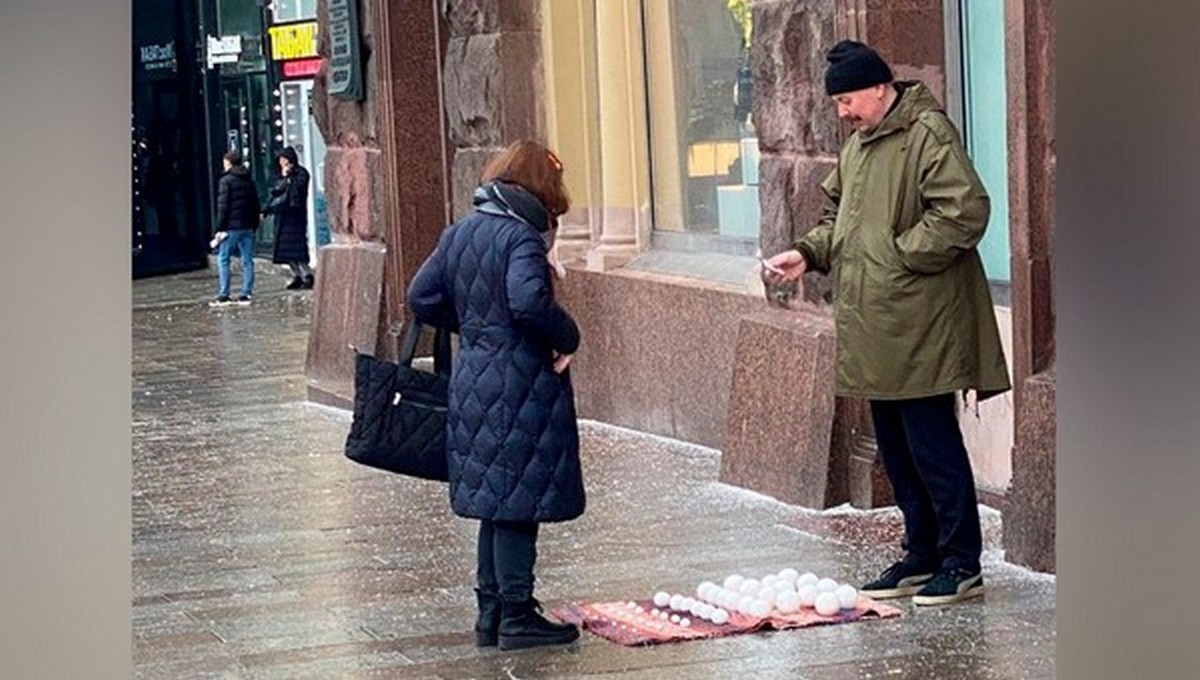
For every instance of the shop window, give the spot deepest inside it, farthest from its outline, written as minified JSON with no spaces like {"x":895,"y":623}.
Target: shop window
{"x":243,"y":19}
{"x":703,"y":147}
{"x":293,"y":10}
{"x":978,"y":102}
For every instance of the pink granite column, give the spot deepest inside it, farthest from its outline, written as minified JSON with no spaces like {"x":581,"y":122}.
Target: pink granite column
{"x":798,"y":131}
{"x":413,"y":138}
{"x":493,"y":85}
{"x":384,"y":173}
{"x":1029,"y":521}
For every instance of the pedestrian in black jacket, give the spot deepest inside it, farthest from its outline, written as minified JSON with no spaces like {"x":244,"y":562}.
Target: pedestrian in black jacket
{"x":512,"y":441}
{"x":289,"y":205}
{"x":237,"y":219}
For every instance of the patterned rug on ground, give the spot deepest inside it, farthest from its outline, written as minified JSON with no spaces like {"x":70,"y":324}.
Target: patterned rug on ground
{"x":636,"y":625}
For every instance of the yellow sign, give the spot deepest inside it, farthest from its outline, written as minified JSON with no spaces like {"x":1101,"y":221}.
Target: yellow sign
{"x":294,"y":41}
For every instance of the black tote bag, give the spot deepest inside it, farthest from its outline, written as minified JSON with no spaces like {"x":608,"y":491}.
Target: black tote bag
{"x":400,"y":413}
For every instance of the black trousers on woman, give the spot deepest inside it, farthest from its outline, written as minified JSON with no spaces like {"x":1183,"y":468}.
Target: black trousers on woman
{"x":507,"y":552}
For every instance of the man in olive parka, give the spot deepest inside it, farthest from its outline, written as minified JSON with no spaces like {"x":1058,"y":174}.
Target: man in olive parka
{"x":914,"y":315}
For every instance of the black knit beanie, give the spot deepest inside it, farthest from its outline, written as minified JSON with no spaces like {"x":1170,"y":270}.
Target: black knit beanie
{"x":854,"y":66}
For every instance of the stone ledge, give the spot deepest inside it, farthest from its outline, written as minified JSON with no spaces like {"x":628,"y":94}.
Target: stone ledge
{"x":346,"y":311}
{"x":779,"y":423}
{"x":1030,"y":520}
{"x":334,"y":394}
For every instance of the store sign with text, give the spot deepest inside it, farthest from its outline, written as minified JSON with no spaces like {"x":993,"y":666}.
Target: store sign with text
{"x":158,"y":59}
{"x":226,"y":49}
{"x":301,"y":68}
{"x":293,"y":41}
{"x":345,"y":62}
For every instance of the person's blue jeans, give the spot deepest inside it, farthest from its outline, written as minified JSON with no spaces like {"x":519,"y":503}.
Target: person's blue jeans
{"x":243,"y":241}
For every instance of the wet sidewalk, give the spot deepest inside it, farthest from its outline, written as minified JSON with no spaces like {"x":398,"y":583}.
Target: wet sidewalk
{"x":259,"y":551}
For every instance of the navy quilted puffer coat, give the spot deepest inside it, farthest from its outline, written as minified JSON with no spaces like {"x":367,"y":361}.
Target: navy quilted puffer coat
{"x":512,"y":439}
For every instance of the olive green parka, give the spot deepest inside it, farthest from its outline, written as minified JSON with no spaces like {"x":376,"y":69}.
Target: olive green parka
{"x":913,"y":310}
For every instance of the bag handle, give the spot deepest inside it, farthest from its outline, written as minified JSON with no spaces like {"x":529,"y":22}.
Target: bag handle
{"x":441,"y":347}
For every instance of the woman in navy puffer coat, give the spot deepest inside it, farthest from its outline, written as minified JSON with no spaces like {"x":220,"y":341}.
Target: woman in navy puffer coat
{"x":512,"y":439}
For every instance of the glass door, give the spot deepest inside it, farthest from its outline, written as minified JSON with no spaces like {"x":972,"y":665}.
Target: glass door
{"x":983,"y":111}
{"x":166,"y":234}
{"x":245,"y":127}
{"x":316,"y":166}
{"x":301,"y":133}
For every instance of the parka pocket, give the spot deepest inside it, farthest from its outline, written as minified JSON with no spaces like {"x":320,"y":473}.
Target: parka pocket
{"x":849,"y":285}
{"x":882,"y":256}
{"x":892,"y":297}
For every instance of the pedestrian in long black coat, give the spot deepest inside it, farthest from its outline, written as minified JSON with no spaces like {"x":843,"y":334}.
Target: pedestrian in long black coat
{"x":289,"y":205}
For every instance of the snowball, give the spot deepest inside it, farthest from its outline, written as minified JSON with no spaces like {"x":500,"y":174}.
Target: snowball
{"x":807,"y":595}
{"x":827,"y":604}
{"x":788,"y":602}
{"x":847,"y":596}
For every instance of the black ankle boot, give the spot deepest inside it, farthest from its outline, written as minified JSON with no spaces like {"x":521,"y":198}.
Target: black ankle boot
{"x":296,"y":284}
{"x":522,"y":627}
{"x":487,"y":626}
{"x":309,"y":282}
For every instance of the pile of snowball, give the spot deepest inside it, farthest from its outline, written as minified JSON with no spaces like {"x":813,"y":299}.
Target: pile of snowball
{"x":786,"y":593}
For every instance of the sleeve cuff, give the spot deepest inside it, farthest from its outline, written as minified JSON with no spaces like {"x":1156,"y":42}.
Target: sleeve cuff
{"x":809,"y":257}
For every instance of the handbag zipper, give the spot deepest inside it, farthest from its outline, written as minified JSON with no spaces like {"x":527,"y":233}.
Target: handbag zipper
{"x":432,"y":407}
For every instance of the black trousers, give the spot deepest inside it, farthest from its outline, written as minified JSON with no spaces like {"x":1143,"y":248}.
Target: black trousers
{"x":922,"y":450}
{"x":506,"y":554}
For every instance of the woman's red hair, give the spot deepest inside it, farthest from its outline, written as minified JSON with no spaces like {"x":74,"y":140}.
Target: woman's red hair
{"x":530,"y":165}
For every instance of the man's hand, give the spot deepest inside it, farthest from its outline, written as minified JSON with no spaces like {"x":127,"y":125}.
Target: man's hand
{"x":791,"y":266}
{"x":561,"y":362}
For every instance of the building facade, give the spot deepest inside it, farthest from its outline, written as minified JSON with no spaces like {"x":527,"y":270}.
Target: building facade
{"x":695,"y":133}
{"x":211,"y":76}
{"x":168,"y":182}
